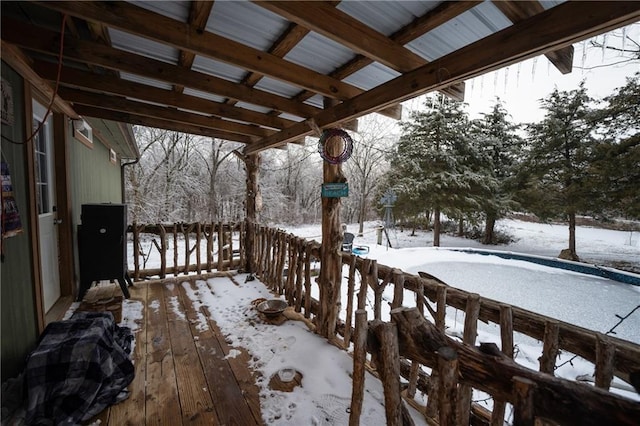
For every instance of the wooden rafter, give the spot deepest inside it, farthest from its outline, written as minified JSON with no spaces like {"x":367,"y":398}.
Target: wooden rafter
{"x":139,"y":21}
{"x":141,"y":120}
{"x":550,"y":30}
{"x":418,"y":27}
{"x":198,"y":16}
{"x":118,"y":103}
{"x":116,"y":86}
{"x":44,"y":41}
{"x":518,"y":11}
{"x":348,"y":31}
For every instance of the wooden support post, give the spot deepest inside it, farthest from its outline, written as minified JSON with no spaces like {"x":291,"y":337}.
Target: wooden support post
{"x":549,"y":347}
{"x":253,"y":204}
{"x":187,"y":251}
{"x":605,"y":361}
{"x":297,"y":294}
{"x":365,"y":273}
{"x":448,"y":394}
{"x":523,"y":390}
{"x":176,"y":270}
{"x":198,"y":240}
{"x":220,"y":246}
{"x":506,"y":337}
{"x":359,"y":360}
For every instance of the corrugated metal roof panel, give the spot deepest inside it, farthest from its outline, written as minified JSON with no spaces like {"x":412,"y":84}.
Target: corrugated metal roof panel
{"x":203,"y":95}
{"x":143,"y":80}
{"x":219,"y":69}
{"x":319,"y":53}
{"x":371,"y":76}
{"x":143,"y":46}
{"x":316,"y":101}
{"x":471,"y":26}
{"x":386,"y":17}
{"x":278,"y":87}
{"x":178,"y":10}
{"x":253,"y":107}
{"x":291,"y":117}
{"x":246,"y":23}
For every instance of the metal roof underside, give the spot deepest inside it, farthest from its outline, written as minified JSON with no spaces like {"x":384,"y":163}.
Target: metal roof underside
{"x":270,"y":73}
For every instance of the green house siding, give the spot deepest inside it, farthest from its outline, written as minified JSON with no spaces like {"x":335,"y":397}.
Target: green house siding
{"x":17,"y":300}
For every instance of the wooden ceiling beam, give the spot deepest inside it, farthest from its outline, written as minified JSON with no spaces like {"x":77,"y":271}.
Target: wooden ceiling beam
{"x":334,"y":24}
{"x":418,"y":27}
{"x":45,"y":41}
{"x":117,"y":86}
{"x":117,"y":103}
{"x":518,"y":11}
{"x":199,"y":12}
{"x":139,"y":21}
{"x":141,"y":120}
{"x":565,"y":24}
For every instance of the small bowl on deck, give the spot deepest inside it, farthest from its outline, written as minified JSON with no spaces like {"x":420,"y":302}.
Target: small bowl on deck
{"x":272,"y":308}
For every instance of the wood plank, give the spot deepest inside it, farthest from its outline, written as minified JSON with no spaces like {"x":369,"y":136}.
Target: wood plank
{"x":337,"y":25}
{"x":195,"y":400}
{"x":132,"y":410}
{"x":434,"y":18}
{"x":117,"y":103}
{"x":228,"y":398}
{"x":518,"y":11}
{"x":125,"y":117}
{"x":162,"y":405}
{"x":555,"y":28}
{"x":118,"y":86}
{"x":148,"y":24}
{"x":45,"y":41}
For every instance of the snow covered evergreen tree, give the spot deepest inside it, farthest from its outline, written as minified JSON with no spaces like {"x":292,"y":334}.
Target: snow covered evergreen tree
{"x":557,"y":166}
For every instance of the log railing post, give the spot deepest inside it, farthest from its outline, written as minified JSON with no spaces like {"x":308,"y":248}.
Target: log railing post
{"x":359,"y":360}
{"x":506,"y":337}
{"x":136,"y":251}
{"x":448,"y":386}
{"x":523,"y":390}
{"x":605,"y":361}
{"x":350,"y":294}
{"x":389,"y":370}
{"x":469,"y":337}
{"x":307,"y":281}
{"x":549,"y":347}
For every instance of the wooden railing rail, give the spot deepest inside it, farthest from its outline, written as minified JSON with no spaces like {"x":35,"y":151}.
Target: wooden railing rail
{"x":287,"y":264}
{"x":188,"y":238}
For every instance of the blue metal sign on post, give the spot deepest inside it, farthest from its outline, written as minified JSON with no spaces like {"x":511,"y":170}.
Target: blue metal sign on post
{"x":335,"y":190}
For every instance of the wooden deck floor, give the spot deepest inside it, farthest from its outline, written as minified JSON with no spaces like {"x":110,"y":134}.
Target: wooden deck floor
{"x":182,"y":373}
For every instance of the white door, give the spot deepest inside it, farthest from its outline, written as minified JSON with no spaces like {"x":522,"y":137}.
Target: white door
{"x":45,"y":194}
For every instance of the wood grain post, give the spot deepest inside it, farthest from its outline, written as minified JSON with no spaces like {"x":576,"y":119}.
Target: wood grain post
{"x":198,"y":240}
{"x":389,"y":370}
{"x":350,"y":294}
{"x":136,"y":251}
{"x":523,"y":390}
{"x":307,"y":281}
{"x":549,"y":347}
{"x":472,"y":312}
{"x":605,"y":361}
{"x":441,"y":301}
{"x":448,"y":386}
{"x":163,"y":252}
{"x":252,"y":206}
{"x":359,"y":360}
{"x":506,"y":337}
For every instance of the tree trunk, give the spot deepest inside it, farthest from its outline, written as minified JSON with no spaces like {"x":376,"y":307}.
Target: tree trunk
{"x":572,"y":234}
{"x":489,"y":226}
{"x":460,"y":227}
{"x":436,"y":227}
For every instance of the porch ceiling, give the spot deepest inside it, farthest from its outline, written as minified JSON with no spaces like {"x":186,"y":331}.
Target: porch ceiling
{"x":258,"y":72}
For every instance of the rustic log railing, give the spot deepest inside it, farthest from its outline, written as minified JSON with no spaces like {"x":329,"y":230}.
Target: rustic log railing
{"x":195,"y":247}
{"x":401,"y":341}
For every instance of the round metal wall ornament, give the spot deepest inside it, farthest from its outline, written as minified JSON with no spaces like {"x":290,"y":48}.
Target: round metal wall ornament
{"x":347,"y":149}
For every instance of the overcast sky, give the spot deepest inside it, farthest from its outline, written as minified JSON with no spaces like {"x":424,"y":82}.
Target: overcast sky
{"x":521,"y":86}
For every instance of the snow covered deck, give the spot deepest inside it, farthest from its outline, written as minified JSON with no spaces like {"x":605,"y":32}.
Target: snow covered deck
{"x":184,"y":371}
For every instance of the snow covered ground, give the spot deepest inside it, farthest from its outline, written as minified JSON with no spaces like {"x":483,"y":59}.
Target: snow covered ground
{"x":324,"y":398}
